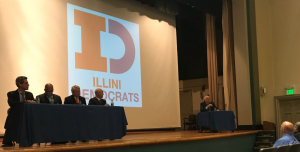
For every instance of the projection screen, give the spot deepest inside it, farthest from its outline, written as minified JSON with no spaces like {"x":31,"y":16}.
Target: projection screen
{"x":121,"y":46}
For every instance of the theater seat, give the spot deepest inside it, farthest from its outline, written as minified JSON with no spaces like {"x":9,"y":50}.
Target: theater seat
{"x":285,"y":148}
{"x":191,"y":121}
{"x":273,"y":149}
{"x":295,"y":148}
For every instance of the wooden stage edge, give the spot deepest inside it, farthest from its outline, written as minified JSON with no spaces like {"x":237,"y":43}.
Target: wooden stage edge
{"x":131,"y":140}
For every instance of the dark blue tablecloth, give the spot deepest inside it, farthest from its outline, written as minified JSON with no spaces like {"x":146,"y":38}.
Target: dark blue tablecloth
{"x":217,"y":120}
{"x":41,"y":123}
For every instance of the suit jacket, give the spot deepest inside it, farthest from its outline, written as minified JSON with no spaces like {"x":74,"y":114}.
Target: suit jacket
{"x":95,"y":101}
{"x":203,"y":106}
{"x":44,"y":98}
{"x":71,"y":100}
{"x":13,"y":97}
{"x":297,"y":136}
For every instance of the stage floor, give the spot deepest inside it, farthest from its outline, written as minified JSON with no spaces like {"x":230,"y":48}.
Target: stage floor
{"x":132,"y":139}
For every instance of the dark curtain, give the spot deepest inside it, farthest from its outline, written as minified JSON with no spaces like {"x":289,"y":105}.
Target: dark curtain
{"x":168,"y":6}
{"x":191,"y":38}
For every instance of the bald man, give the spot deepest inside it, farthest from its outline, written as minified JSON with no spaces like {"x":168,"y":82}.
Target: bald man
{"x":48,"y":96}
{"x":287,"y":128}
{"x":98,"y":99}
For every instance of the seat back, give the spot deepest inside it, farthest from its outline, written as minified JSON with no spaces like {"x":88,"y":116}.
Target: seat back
{"x":285,"y":148}
{"x":295,"y":148}
{"x":268,"y":133}
{"x":273,"y":149}
{"x":192,"y":118}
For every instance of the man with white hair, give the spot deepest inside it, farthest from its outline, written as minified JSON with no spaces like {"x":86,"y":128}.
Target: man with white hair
{"x":98,"y":99}
{"x":208,"y":105}
{"x":75,"y":98}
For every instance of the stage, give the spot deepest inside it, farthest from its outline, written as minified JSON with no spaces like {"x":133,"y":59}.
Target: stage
{"x":157,"y":141}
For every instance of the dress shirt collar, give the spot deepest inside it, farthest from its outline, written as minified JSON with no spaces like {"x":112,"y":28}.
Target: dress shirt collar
{"x":20,"y":91}
{"x":287,"y":135}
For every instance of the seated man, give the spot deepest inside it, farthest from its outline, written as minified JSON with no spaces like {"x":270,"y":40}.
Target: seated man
{"x":98,"y":99}
{"x":16,"y":97}
{"x":287,"y":129}
{"x":297,"y":131}
{"x":48,"y":96}
{"x":20,"y":95}
{"x":75,"y":98}
{"x":207,"y":105}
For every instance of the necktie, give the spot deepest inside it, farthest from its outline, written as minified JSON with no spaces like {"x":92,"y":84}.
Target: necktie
{"x":77,"y":101}
{"x":22,"y":98}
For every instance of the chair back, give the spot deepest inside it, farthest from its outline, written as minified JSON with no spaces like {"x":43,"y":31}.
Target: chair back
{"x":192,"y":118}
{"x":295,"y":148}
{"x":285,"y":148}
{"x":273,"y":149}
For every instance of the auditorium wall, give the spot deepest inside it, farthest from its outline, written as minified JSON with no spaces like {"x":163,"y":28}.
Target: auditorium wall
{"x":278,"y":46}
{"x":34,"y":43}
{"x":265,"y":58}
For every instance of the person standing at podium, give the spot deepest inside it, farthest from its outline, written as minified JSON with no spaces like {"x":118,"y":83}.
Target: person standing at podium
{"x":75,"y":98}
{"x":208,"y":105}
{"x":48,"y":96}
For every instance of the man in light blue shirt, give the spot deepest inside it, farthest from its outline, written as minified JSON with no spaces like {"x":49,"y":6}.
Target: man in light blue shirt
{"x":287,"y":128}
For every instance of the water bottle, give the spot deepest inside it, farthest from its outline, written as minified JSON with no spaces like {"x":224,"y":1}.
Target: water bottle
{"x":112,"y":103}
{"x":215,"y":109}
{"x":37,"y":99}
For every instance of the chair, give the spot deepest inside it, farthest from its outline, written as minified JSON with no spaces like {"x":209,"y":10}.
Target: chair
{"x":191,"y":121}
{"x":295,"y":148}
{"x":273,"y":149}
{"x":285,"y":148}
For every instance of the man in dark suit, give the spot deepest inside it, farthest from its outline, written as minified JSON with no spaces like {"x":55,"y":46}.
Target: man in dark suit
{"x":20,"y":95}
{"x":98,"y":99}
{"x":75,"y":98}
{"x":16,"y":97}
{"x":207,"y":105}
{"x":297,"y":131}
{"x":48,"y":96}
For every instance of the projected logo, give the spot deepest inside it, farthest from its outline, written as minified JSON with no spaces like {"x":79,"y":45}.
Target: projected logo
{"x":104,"y":52}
